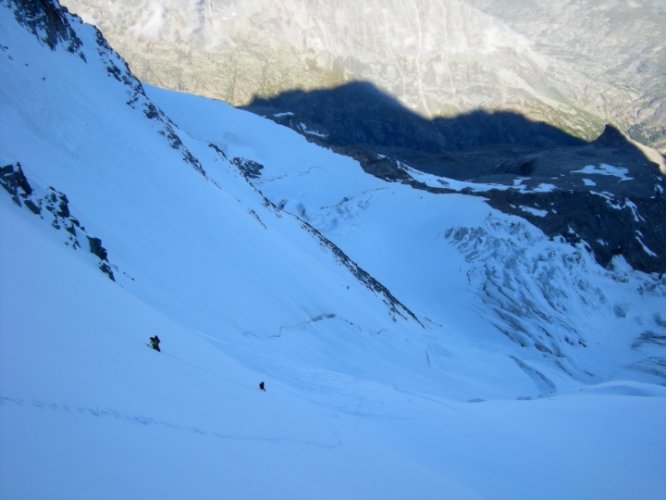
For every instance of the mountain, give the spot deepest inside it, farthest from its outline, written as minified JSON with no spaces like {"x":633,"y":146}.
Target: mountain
{"x":414,"y":340}
{"x":575,"y":65}
{"x":523,"y":101}
{"x":505,"y":150}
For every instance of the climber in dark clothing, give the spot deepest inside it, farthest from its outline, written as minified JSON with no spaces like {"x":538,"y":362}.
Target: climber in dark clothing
{"x":155,"y":343}
{"x":262,"y":386}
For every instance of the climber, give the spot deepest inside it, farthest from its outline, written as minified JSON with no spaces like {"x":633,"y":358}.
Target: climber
{"x":262,"y":386}
{"x":155,"y":343}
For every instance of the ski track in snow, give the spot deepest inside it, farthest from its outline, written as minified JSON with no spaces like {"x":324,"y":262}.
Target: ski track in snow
{"x":151,"y":421}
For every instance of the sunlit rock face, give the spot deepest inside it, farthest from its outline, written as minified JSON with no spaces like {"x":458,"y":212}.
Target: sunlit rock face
{"x":576,"y":65}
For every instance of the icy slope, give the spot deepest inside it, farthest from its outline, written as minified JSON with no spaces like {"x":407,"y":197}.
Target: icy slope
{"x":368,"y":377}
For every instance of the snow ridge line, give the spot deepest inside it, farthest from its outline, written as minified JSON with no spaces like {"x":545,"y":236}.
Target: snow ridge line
{"x":251,"y":170}
{"x":395,"y":306}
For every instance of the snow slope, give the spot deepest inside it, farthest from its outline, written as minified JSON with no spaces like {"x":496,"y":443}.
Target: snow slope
{"x":364,"y":399}
{"x":91,"y":412}
{"x":480,"y":279}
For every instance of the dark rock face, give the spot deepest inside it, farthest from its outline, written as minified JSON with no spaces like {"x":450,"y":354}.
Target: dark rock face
{"x":96,"y":248}
{"x":15,"y":183}
{"x":249,"y":168}
{"x":46,"y":20}
{"x":605,"y":193}
{"x":54,"y":206}
{"x":609,"y":227}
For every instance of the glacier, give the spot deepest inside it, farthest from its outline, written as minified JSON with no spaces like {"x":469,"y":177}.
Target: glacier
{"x":413,"y":344}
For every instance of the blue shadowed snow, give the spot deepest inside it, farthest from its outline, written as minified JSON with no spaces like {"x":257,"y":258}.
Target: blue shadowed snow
{"x":362,"y":401}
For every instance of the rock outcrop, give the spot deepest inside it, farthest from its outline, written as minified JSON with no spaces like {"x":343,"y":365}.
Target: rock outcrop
{"x":53,"y":206}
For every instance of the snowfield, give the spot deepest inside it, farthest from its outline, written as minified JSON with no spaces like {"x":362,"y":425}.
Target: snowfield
{"x":413,"y":345}
{"x":92,"y":412}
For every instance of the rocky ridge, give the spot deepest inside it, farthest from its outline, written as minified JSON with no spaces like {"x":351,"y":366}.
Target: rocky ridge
{"x":52,"y":206}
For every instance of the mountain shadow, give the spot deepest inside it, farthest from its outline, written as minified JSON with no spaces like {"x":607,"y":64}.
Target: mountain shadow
{"x":558,"y":182}
{"x":469,"y":146}
{"x":358,"y":113}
